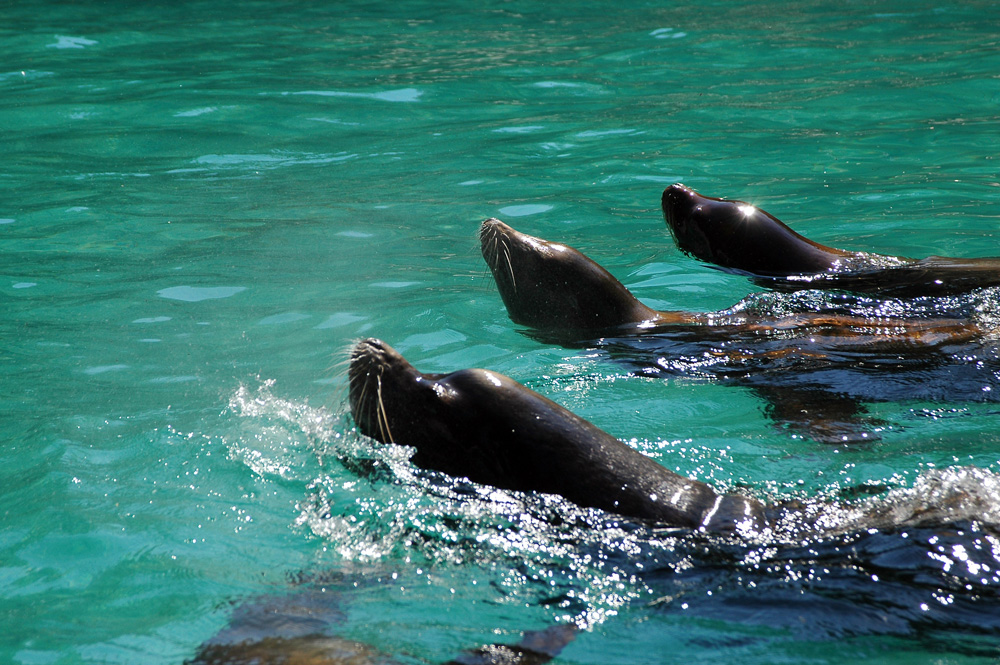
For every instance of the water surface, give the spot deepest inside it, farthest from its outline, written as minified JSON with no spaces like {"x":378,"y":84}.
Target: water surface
{"x":203,"y":204}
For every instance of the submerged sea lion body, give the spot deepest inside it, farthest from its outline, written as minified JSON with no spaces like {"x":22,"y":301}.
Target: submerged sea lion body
{"x":492,"y":430}
{"x":740,"y":238}
{"x":299,"y":629}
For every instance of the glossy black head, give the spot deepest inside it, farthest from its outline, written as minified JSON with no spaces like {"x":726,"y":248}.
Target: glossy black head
{"x":377,"y":375}
{"x":394,"y":402}
{"x":550,"y":286}
{"x":739,"y":236}
{"x":471,"y":423}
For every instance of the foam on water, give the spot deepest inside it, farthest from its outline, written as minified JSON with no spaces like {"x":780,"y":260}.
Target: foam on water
{"x":590,"y":564}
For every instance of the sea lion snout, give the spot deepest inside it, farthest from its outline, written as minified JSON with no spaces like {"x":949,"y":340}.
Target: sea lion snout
{"x":375,"y":374}
{"x":490,"y":229}
{"x":675,"y":197}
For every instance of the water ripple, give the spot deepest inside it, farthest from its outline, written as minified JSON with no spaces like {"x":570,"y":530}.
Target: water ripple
{"x":401,"y":95}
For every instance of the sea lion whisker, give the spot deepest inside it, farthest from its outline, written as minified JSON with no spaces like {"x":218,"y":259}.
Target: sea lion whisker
{"x":340,"y":361}
{"x":338,"y":393}
{"x":489,"y":240}
{"x":510,"y":265}
{"x":490,"y":248}
{"x":360,"y":406}
{"x":363,"y":410}
{"x":381,"y":413}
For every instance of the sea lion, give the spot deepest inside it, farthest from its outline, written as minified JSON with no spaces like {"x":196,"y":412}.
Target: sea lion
{"x":740,"y":238}
{"x":295,"y":629}
{"x":812,"y":365}
{"x":555,"y":288}
{"x":879,"y":563}
{"x":492,"y":430}
{"x":488,"y":428}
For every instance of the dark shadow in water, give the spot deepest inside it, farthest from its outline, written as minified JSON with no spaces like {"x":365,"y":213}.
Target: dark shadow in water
{"x":300,"y":628}
{"x":933,"y":586}
{"x":816,"y":381}
{"x":937,"y":586}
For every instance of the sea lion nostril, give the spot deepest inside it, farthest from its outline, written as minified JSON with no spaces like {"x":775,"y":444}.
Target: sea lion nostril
{"x":365,"y":348}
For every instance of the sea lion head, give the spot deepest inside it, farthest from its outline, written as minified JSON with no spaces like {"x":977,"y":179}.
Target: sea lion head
{"x":741,"y":237}
{"x":471,"y":423}
{"x":550,"y":286}
{"x":394,"y":402}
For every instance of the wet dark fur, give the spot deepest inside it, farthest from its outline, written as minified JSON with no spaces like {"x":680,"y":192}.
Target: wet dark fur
{"x":487,"y":427}
{"x":722,"y":233}
{"x":813,"y":366}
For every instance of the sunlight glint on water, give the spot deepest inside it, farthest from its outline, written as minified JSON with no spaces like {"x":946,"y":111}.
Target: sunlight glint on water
{"x":204,"y":206}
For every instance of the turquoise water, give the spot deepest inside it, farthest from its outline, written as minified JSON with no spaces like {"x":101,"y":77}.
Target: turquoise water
{"x":202,"y":205}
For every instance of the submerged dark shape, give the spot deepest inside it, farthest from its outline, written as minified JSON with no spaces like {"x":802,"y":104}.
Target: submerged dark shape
{"x":740,"y":238}
{"x":914,"y":582}
{"x":813,"y":365}
{"x":488,"y":428}
{"x":297,"y":629}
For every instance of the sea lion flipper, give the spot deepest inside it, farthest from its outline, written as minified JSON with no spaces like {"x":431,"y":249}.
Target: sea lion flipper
{"x":821,"y":415}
